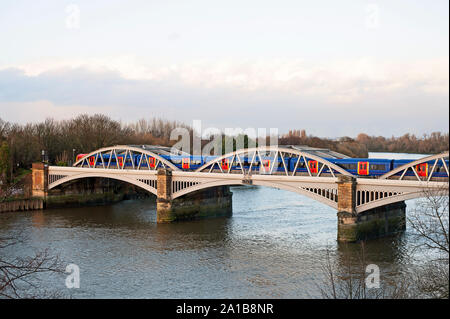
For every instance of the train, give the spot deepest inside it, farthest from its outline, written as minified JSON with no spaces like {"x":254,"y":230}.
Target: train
{"x":364,"y":167}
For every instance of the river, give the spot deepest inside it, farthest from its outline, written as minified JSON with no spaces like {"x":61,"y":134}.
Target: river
{"x":274,"y":246}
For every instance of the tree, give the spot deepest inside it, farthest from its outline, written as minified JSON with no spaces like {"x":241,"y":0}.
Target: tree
{"x":19,"y":276}
{"x":4,"y":163}
{"x":430,"y":223}
{"x":4,"y":129}
{"x":346,"y":278}
{"x":430,"y":279}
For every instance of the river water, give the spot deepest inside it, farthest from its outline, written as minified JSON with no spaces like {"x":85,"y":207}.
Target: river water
{"x":274,"y":246}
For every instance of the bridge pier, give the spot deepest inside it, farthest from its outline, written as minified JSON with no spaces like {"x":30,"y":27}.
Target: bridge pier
{"x":39,"y":175}
{"x":211,"y":202}
{"x":374,"y":223}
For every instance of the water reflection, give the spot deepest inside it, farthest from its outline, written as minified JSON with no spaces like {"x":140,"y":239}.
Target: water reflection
{"x":273,"y":246}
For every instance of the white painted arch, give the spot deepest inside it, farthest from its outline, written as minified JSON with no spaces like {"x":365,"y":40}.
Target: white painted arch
{"x":394,"y":199}
{"x":129,"y":149}
{"x":277,"y":150}
{"x":119,"y":177}
{"x":265,"y":183}
{"x":411,"y":164}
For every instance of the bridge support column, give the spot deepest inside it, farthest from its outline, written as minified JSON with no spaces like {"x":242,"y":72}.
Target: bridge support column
{"x":374,"y":223}
{"x":164,"y":211}
{"x":211,"y":202}
{"x":39,"y":178}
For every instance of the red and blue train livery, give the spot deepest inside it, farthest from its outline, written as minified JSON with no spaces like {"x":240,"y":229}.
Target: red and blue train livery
{"x":364,"y":167}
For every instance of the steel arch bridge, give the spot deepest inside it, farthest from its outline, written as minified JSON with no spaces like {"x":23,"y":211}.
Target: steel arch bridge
{"x":322,"y":186}
{"x":127,"y":152}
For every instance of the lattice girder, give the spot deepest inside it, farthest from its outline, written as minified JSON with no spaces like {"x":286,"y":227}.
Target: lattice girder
{"x":126,"y":152}
{"x":436,"y":159}
{"x":255,"y":157}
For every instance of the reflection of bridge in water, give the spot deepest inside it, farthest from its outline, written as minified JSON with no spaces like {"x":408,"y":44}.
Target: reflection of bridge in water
{"x":357,"y":199}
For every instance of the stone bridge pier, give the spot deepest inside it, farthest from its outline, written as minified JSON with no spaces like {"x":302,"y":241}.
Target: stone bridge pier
{"x":39,"y":177}
{"x":210,"y":202}
{"x":374,"y":223}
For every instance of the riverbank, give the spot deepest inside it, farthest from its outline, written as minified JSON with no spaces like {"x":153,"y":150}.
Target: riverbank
{"x":21,"y":205}
{"x":66,"y":201}
{"x":89,"y":192}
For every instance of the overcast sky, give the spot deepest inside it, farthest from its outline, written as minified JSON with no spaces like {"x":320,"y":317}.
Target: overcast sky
{"x":333,"y":68}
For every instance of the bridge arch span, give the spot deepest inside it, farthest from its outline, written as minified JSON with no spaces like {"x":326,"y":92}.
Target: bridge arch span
{"x":325,"y":194}
{"x":318,"y":194}
{"x":440,"y":190}
{"x":255,"y":155}
{"x":144,"y":184}
{"x":390,"y":200}
{"x":126,"y":150}
{"x":437,"y":159}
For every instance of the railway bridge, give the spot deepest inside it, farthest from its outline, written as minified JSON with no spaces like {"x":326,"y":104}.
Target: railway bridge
{"x":367,"y":207}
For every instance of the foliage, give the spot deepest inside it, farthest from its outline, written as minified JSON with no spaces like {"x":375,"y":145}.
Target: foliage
{"x":61,"y":140}
{"x":429,"y":223}
{"x":360,"y":146}
{"x":4,"y":162}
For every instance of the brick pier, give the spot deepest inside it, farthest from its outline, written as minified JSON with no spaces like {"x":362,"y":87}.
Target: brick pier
{"x":373,"y":223}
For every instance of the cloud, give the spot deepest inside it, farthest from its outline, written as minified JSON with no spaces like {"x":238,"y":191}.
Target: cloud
{"x":330,"y":98}
{"x":25,"y":112}
{"x":330,"y":79}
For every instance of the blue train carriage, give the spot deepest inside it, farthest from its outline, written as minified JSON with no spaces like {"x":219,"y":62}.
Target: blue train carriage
{"x":224,"y":164}
{"x":144,"y":161}
{"x":364,"y":166}
{"x":256,"y":165}
{"x":301,"y":167}
{"x":91,"y":160}
{"x":234,"y":165}
{"x":264,"y":164}
{"x":189,"y":163}
{"x":127,"y":162}
{"x":114,"y":161}
{"x":422,"y":170}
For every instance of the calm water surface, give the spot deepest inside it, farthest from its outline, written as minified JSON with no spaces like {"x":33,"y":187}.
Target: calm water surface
{"x":273,"y":246}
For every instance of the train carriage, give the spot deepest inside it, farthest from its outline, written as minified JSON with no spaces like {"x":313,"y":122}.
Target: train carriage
{"x":364,"y":166}
{"x":192,"y":162}
{"x":266,"y":164}
{"x":312,"y":166}
{"x":145,"y":161}
{"x":423,"y":170}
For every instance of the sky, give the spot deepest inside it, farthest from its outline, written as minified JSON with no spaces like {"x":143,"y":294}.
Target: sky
{"x":333,"y":68}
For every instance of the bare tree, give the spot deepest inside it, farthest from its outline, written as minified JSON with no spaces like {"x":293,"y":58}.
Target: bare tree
{"x":346,"y":278}
{"x":430,"y":223}
{"x":19,"y":277}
